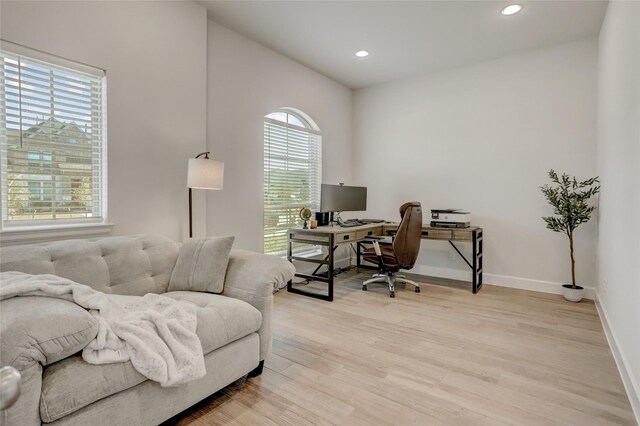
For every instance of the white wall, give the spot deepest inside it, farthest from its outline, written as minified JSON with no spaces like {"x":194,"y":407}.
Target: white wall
{"x":155,"y":57}
{"x":483,"y":138}
{"x":246,"y":82}
{"x":619,"y":169}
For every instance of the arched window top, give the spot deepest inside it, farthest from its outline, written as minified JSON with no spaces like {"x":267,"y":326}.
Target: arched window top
{"x":292,"y":173}
{"x":294,"y":117}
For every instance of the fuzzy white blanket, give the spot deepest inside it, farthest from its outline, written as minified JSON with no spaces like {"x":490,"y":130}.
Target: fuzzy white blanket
{"x":156,"y":333}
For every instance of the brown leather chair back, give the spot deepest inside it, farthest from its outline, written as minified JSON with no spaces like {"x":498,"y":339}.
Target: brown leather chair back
{"x":406,"y":245}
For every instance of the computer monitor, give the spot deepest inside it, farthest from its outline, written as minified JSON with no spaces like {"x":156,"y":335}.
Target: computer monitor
{"x":342,"y":198}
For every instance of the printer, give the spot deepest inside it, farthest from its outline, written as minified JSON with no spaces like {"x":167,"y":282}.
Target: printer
{"x":450,"y":218}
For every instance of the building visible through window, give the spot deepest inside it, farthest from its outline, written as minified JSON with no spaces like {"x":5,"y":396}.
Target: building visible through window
{"x":52,"y":133}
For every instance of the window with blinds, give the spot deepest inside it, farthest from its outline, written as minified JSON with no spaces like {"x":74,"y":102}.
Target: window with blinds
{"x":292,"y":175}
{"x":51,"y":139}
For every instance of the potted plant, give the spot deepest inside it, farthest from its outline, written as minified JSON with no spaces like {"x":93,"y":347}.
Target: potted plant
{"x":569,"y":199}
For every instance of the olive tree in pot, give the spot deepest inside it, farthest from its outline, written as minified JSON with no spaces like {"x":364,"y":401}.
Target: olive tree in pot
{"x":569,"y":199}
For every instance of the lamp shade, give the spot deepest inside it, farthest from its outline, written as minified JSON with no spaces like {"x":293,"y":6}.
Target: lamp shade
{"x":205,"y":173}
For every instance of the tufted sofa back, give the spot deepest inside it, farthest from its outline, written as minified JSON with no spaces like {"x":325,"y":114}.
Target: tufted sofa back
{"x":133,"y":265}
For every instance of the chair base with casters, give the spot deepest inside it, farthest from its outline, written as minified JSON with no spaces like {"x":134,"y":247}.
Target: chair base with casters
{"x":389,"y":269}
{"x":390,"y":278}
{"x":399,"y":254}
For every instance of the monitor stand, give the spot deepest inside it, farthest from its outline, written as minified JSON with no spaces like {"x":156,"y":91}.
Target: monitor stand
{"x":336,"y":219}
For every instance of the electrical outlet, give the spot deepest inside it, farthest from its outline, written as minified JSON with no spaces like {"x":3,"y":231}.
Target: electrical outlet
{"x":452,"y":255}
{"x":604,"y":286}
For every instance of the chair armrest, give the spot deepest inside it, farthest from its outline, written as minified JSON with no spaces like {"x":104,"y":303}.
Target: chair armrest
{"x":253,"y":277}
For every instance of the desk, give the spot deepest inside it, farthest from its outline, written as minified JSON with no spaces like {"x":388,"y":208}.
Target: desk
{"x":333,"y":236}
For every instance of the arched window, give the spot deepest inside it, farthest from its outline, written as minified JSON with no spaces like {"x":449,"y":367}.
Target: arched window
{"x":292,"y":173}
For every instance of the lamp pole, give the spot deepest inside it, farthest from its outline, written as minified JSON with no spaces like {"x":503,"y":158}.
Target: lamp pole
{"x":203,"y":173}
{"x":190,"y":214}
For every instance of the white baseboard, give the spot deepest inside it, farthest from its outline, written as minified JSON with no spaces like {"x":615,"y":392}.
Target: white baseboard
{"x":629,"y":381}
{"x":343,"y":263}
{"x":533,"y":285}
{"x":499,"y":280}
{"x":434,"y":271}
{"x":462,"y":275}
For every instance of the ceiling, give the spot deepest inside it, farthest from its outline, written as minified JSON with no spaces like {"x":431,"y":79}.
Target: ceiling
{"x":405,"y":38}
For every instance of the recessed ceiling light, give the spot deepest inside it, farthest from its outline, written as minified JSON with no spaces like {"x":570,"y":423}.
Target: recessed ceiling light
{"x":362,"y":53}
{"x":511,"y":9}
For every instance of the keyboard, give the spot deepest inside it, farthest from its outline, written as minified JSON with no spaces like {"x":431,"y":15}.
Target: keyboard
{"x":357,"y":222}
{"x":349,"y":224}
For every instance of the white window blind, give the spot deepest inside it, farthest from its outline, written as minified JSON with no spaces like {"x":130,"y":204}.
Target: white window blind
{"x":51,"y":139}
{"x":292,"y":175}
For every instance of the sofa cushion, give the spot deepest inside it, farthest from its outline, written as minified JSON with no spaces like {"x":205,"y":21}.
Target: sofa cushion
{"x":42,"y":330}
{"x":202,"y":265}
{"x":134,"y":265}
{"x":221,"y":319}
{"x":72,"y":384}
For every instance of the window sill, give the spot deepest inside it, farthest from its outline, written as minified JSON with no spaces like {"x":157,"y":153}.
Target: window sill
{"x":40,"y":234}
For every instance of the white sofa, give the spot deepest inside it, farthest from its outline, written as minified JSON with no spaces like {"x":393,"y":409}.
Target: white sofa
{"x":41,"y":336}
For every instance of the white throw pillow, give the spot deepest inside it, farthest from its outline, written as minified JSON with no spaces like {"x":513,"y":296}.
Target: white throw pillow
{"x":202,"y":265}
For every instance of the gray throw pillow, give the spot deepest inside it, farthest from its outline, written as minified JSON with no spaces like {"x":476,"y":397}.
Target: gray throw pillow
{"x":201,"y":265}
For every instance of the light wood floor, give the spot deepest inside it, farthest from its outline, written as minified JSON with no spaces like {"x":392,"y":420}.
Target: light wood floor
{"x":443,"y":356}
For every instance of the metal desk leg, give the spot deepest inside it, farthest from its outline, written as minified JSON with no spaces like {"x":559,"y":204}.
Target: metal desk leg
{"x":289,"y":254}
{"x":312,"y":277}
{"x":480,"y":257}
{"x":331,"y":258}
{"x":326,"y":259}
{"x":476,"y":268}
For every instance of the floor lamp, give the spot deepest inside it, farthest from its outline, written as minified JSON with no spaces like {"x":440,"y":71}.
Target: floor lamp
{"x":203,"y":173}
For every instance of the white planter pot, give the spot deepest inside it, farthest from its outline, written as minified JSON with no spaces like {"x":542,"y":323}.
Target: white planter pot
{"x":572,"y":294}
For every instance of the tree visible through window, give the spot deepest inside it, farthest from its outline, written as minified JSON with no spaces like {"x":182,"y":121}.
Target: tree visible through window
{"x":292,"y":174}
{"x":51,"y":136}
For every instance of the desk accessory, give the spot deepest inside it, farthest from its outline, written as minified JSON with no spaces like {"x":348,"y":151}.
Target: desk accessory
{"x":323,"y":218}
{"x":203,"y":173}
{"x":305,"y":215}
{"x":371,"y":220}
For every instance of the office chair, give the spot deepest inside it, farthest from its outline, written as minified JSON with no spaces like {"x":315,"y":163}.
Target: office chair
{"x":401,"y":253}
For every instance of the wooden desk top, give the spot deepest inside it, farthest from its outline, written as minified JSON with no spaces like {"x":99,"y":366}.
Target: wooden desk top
{"x":360,"y":232}
{"x":337,"y":229}
{"x":436,"y":233}
{"x":435,"y":228}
